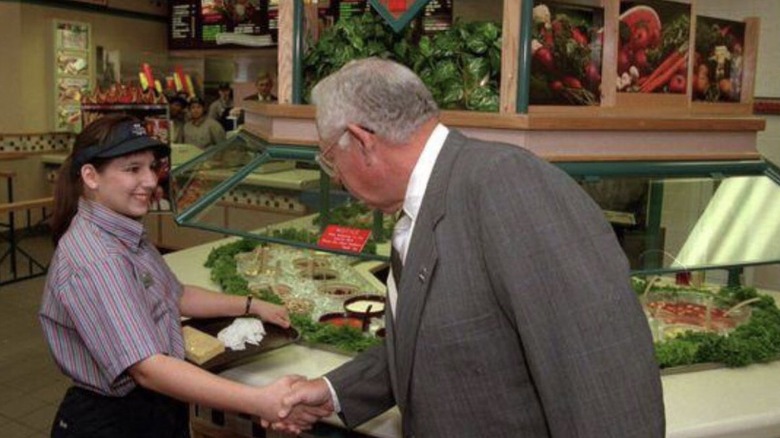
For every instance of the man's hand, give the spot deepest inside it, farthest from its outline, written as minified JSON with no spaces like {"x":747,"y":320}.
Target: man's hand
{"x":306,"y":403}
{"x":270,"y":398}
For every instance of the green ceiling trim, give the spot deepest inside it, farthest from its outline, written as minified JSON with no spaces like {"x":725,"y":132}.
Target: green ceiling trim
{"x":398,"y":24}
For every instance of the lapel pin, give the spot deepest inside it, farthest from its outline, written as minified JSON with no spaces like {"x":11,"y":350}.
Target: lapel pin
{"x":146,"y":280}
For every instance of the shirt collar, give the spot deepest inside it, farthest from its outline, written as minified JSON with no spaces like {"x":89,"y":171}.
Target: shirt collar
{"x":129,"y":231}
{"x":422,"y":171}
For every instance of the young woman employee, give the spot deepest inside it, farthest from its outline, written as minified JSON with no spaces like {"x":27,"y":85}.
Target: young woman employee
{"x":111,"y":307}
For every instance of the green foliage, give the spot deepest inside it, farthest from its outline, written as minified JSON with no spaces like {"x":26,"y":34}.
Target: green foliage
{"x":296,"y":235}
{"x":223,"y":266}
{"x":680,"y":352}
{"x":357,"y":37}
{"x":343,"y":338}
{"x":461,"y":66}
{"x":266,"y":294}
{"x":311,"y":237}
{"x":709,"y":37}
{"x":674,"y":36}
{"x":758,"y":340}
{"x":229,"y":251}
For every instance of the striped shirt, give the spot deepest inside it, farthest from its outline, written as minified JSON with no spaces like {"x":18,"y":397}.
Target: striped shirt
{"x":110,"y":301}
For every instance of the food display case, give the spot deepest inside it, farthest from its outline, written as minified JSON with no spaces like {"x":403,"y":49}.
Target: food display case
{"x":677,"y":286}
{"x":247,"y":171}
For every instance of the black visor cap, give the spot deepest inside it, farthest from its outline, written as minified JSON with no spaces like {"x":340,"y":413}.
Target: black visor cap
{"x":126,"y":138}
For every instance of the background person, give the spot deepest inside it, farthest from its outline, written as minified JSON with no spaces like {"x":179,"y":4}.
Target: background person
{"x":510,"y":311}
{"x":201,"y":130}
{"x":177,"y":110}
{"x":111,"y":307}
{"x":264,"y":84}
{"x":219,"y":110}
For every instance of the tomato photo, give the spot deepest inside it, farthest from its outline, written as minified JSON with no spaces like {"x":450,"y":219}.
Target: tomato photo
{"x":653,"y":47}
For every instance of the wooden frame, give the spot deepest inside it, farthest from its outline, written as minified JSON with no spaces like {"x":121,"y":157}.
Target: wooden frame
{"x":643,"y":127}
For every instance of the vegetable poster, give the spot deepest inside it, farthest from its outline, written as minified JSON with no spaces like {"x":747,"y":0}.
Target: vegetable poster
{"x":718,"y":65}
{"x":653,"y":47}
{"x":566,"y":45}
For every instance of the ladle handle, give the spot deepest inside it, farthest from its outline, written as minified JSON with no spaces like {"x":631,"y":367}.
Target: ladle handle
{"x":367,"y":318}
{"x":741,"y":305}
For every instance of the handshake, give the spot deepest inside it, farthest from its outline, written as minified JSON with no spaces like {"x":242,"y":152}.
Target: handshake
{"x":293,"y":403}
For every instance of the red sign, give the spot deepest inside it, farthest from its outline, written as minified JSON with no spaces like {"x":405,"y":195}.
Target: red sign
{"x":344,"y":238}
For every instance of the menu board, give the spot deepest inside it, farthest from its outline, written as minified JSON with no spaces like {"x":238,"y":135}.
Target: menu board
{"x":273,"y":19}
{"x":349,"y":8}
{"x":438,"y":16}
{"x":72,"y":78}
{"x":182,"y":28}
{"x":199,"y":24}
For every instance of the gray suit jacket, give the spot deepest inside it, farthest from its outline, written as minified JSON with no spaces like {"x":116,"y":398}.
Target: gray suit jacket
{"x":515,"y":317}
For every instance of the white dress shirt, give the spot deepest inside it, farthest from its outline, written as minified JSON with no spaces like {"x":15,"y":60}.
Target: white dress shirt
{"x":415,"y":191}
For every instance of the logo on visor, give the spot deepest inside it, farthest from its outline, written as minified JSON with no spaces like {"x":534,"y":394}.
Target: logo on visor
{"x":138,"y":130}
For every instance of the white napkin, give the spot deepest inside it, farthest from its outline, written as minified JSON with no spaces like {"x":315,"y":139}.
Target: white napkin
{"x":241,"y":332}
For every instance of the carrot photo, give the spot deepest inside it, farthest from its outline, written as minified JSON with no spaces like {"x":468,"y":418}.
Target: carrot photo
{"x":653,"y":47}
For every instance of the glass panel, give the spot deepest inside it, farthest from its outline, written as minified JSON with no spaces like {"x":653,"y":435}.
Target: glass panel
{"x":692,"y":223}
{"x":738,"y":226}
{"x":199,"y":181}
{"x":248,"y":188}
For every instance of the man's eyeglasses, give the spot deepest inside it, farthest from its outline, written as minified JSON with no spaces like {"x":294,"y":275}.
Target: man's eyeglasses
{"x":326,"y":164}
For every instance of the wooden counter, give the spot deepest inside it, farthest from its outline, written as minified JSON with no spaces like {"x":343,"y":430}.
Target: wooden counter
{"x":719,"y":403}
{"x":564,"y":135}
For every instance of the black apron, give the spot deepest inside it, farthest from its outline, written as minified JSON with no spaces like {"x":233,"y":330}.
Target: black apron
{"x":139,"y":414}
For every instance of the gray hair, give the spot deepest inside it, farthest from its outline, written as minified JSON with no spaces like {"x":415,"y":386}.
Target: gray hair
{"x":378,"y":94}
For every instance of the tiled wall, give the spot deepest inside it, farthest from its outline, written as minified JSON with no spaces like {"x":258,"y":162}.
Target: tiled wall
{"x":288,"y":202}
{"x":52,"y":142}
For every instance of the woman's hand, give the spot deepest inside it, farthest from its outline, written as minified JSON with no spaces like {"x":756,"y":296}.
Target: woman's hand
{"x":272,"y":313}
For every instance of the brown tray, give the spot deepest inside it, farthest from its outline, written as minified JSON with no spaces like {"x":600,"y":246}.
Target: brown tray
{"x":275,"y":337}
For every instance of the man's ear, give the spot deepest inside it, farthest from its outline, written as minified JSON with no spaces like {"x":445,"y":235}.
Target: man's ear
{"x":367,"y":139}
{"x":90,"y":176}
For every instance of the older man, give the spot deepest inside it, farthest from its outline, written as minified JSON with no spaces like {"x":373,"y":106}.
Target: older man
{"x":510,"y":308}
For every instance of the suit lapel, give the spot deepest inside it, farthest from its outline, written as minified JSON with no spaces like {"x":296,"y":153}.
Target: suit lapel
{"x":391,"y":349}
{"x":419,"y":267}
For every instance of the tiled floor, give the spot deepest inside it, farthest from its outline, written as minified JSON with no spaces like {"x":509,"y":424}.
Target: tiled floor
{"x":31,"y":386}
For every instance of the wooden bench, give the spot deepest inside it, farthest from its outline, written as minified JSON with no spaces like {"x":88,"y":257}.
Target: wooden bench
{"x":11,"y":234}
{"x":26,"y":206}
